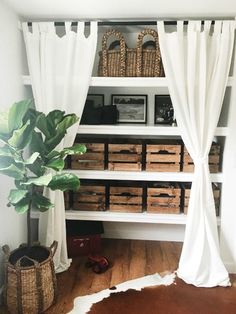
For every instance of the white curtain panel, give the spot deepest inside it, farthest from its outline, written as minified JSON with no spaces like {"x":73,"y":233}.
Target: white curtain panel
{"x":60,"y":68}
{"x":197,"y":60}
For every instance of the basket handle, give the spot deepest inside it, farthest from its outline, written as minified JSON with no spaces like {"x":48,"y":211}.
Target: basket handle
{"x":17,"y":265}
{"x":6,"y":250}
{"x":157,"y":67}
{"x":53,"y":247}
{"x":122,"y":51}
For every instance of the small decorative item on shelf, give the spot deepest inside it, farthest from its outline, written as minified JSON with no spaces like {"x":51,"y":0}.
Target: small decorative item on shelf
{"x":131,"y":108}
{"x":163,"y":198}
{"x":119,"y":60}
{"x":164,"y":111}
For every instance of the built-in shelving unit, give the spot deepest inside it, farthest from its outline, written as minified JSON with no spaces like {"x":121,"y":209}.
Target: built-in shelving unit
{"x":133,"y":130}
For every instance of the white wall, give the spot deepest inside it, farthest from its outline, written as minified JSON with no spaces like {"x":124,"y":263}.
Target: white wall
{"x":12,"y":225}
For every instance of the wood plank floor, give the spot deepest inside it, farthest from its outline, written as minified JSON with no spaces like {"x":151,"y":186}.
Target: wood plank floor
{"x":130,"y":259}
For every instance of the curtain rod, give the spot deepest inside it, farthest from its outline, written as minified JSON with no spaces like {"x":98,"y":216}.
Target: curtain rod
{"x":123,"y":23}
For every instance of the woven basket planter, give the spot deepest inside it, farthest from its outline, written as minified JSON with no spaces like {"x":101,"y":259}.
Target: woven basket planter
{"x":30,"y":279}
{"x":142,"y":61}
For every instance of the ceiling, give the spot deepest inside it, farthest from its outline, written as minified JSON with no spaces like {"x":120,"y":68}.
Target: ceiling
{"x":121,"y":9}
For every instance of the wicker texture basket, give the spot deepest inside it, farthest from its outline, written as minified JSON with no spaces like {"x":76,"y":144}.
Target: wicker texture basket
{"x":112,"y":61}
{"x":30,"y":289}
{"x":130,"y":62}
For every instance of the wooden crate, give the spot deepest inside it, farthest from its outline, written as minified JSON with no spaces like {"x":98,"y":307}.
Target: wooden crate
{"x":163,"y":198}
{"x":214,"y":159}
{"x":90,"y":197}
{"x":125,"y":157}
{"x":93,"y":159}
{"x":67,"y":199}
{"x":186,"y":187}
{"x":163,"y":157}
{"x":125,"y":199}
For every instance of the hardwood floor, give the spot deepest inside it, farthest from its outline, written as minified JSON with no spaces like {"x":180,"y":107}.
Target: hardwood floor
{"x":129,"y":259}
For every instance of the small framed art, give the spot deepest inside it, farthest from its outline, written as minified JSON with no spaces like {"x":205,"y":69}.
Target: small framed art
{"x":93,"y":109}
{"x":131,"y":108}
{"x":95,"y":100}
{"x":164,"y":111}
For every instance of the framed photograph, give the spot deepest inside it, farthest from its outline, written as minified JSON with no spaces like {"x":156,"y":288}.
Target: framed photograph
{"x":131,"y":108}
{"x":164,"y":111}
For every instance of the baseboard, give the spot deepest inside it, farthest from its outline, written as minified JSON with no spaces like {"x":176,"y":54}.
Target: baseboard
{"x":144,"y":231}
{"x":1,"y":294}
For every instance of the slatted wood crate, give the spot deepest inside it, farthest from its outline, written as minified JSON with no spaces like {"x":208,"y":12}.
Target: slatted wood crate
{"x":163,"y":156}
{"x":186,"y":187}
{"x":91,"y":197}
{"x":93,"y":159}
{"x":214,"y":159}
{"x":126,"y":199}
{"x":163,"y":198}
{"x":67,"y":199}
{"x":125,"y":157}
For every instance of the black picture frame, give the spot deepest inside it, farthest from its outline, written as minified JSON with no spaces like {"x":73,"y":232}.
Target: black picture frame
{"x":164,"y":111}
{"x":131,"y":108}
{"x":92,"y":109}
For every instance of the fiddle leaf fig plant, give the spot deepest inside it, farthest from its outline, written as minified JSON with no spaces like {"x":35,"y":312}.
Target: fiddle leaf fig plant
{"x":30,"y":155}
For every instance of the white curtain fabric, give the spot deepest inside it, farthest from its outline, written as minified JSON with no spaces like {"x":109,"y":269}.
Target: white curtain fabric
{"x":196,"y":62}
{"x":60,"y":68}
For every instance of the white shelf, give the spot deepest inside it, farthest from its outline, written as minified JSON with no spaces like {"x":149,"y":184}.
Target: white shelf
{"x":171,"y":219}
{"x":140,"y":175}
{"x":139,"y":129}
{"x":124,"y":81}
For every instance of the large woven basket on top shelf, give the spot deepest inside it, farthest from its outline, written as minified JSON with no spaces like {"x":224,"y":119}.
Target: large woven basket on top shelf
{"x":30,"y":279}
{"x":142,"y":61}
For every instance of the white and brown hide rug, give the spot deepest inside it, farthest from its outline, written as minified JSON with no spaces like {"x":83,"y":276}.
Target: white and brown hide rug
{"x":155,"y":294}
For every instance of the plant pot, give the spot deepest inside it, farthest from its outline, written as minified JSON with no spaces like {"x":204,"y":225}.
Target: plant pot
{"x":30,"y":279}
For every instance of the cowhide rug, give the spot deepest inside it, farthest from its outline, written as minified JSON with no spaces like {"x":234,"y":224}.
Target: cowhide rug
{"x":158,"y":295}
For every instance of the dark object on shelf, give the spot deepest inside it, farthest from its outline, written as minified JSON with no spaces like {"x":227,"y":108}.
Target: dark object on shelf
{"x":83,"y":237}
{"x":92,"y":109}
{"x":109,"y":115}
{"x":164,"y":112}
{"x":102,"y":115}
{"x":98,"y":263}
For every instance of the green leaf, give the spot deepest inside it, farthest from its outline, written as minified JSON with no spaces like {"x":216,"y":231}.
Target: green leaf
{"x":41,"y":202}
{"x":67,"y":122}
{"x":54,"y":117}
{"x":53,"y":153}
{"x":37,"y":144}
{"x":56,"y":164}
{"x":52,"y":142}
{"x":32,"y":158}
{"x":22,"y":206}
{"x":21,"y":137}
{"x":64,"y":181}
{"x":75,"y":149}
{"x":16,"y":195}
{"x":17,"y":113}
{"x":37,"y":168}
{"x":40,"y":181}
{"x":45,"y":126}
{"x":7,"y":151}
{"x":9,"y":167}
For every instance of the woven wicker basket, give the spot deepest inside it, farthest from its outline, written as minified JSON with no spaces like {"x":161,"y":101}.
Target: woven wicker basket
{"x":130,"y":62}
{"x":30,"y":281}
{"x":112,"y":61}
